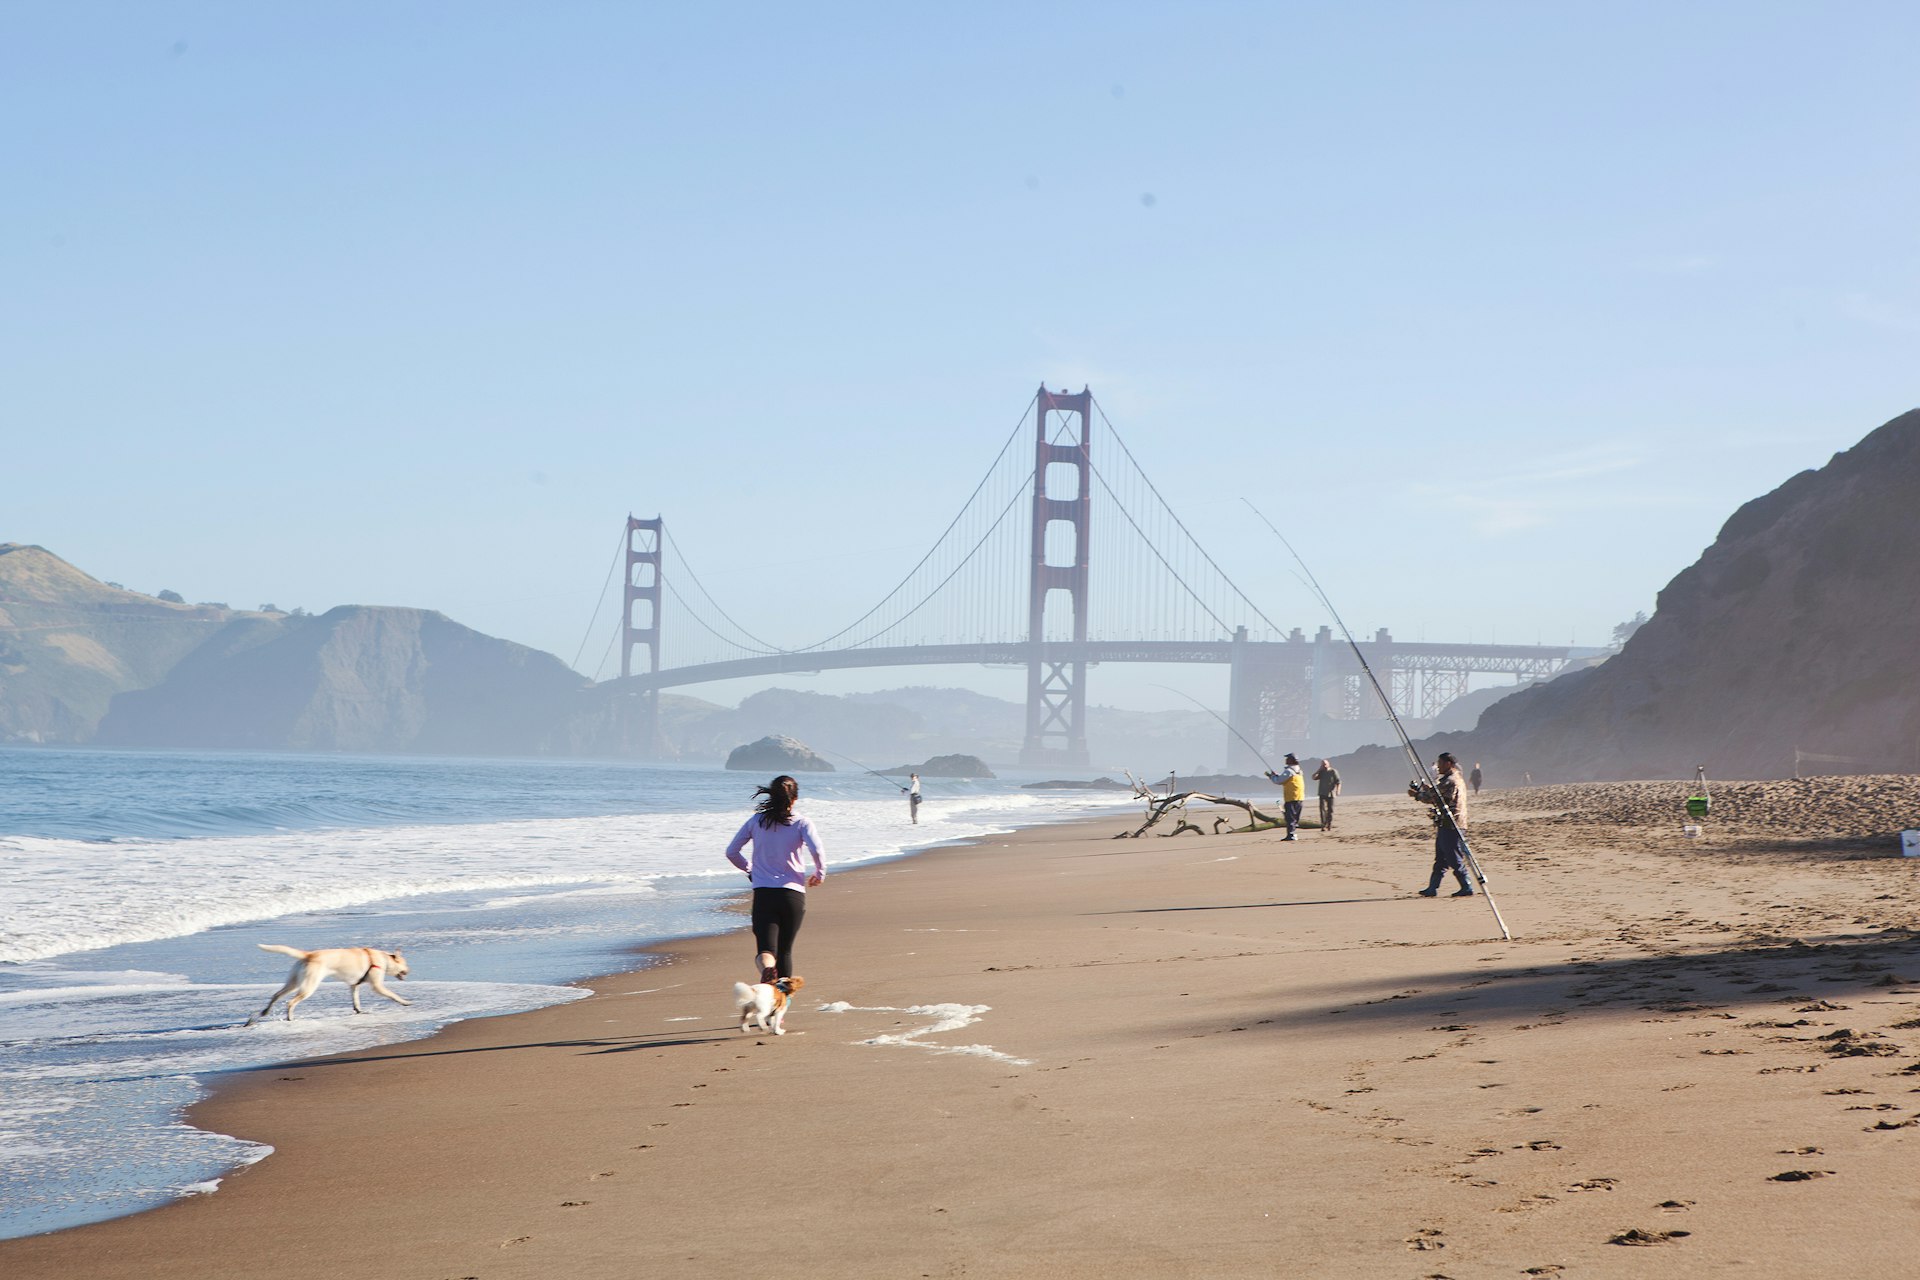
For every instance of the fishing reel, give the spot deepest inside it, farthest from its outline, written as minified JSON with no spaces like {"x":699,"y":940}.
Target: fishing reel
{"x":1426,"y":795}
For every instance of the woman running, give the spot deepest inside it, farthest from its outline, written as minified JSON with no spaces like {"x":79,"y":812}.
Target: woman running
{"x":777,"y":872}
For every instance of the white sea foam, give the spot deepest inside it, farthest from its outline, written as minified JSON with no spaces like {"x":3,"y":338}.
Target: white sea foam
{"x":66,"y":896}
{"x":946,"y":1017}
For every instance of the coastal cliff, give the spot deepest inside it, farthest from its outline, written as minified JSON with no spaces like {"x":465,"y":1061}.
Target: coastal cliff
{"x":69,"y":643}
{"x":1789,"y":643}
{"x":357,"y":678}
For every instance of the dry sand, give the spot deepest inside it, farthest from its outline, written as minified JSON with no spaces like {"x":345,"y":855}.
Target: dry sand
{"x":1197,"y":1056}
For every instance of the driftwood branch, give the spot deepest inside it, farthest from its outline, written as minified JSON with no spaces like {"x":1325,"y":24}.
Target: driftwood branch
{"x":1176,"y":802}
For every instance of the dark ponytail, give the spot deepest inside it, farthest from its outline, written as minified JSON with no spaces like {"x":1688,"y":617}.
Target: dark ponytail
{"x":775,"y":805}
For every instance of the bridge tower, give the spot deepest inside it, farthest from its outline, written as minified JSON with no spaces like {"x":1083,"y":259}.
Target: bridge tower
{"x":1057,"y":690}
{"x":1269,"y":697}
{"x":643,"y":588}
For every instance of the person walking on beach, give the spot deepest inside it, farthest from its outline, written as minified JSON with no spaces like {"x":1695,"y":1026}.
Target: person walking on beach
{"x":777,"y":872}
{"x":913,"y":797}
{"x":1293,"y":793}
{"x":1473,"y":779}
{"x":1329,"y":779}
{"x":1446,"y":835}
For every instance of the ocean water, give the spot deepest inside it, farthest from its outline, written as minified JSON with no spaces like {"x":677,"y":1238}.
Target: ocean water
{"x":135,"y":885}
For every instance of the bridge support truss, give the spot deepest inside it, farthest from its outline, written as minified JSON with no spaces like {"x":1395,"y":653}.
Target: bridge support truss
{"x":643,"y":588}
{"x":1057,"y":688}
{"x":1270,"y":698}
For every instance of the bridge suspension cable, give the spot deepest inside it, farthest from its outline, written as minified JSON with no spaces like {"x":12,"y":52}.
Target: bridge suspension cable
{"x":938,"y":543}
{"x":1154,"y":581}
{"x":758,"y":645}
{"x":1179,"y":524}
{"x":613,"y":570}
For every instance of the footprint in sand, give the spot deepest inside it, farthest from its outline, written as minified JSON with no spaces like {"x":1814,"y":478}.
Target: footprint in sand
{"x":1537,"y":1200}
{"x":1674,"y":1206}
{"x":575,"y":1204}
{"x":1549,"y":1269}
{"x":1634,"y":1235}
{"x":508,"y":1244}
{"x":1801,"y":1175}
{"x":1426,"y":1238}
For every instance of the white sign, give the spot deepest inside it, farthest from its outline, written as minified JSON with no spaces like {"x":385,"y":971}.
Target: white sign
{"x":1910,"y":844}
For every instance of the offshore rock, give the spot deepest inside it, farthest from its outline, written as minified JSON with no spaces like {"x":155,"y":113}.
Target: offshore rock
{"x":951,"y":766}
{"x":777,"y":754}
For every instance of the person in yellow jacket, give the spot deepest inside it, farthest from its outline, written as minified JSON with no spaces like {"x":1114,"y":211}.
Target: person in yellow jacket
{"x":1293,"y":793}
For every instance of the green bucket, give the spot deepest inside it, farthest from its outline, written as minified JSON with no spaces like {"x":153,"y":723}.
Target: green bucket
{"x":1697,"y":806}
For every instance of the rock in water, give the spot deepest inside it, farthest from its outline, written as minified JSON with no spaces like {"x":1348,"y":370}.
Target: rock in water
{"x":779,"y":754}
{"x":954,"y":766}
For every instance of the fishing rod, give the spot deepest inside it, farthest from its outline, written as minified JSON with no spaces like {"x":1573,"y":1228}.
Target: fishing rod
{"x":875,"y":772}
{"x":1428,"y":785}
{"x":1223,"y":720}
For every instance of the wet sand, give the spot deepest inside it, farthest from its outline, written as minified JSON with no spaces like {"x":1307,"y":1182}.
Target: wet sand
{"x":1059,"y":1054}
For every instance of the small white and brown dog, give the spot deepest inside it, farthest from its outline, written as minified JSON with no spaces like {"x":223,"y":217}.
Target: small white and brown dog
{"x":353,"y":965}
{"x":766,"y":1002}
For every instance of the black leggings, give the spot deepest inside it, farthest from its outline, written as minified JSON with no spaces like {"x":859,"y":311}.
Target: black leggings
{"x":777,"y":914}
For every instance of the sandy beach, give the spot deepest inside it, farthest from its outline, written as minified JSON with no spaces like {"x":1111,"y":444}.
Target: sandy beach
{"x":1054,"y":1053}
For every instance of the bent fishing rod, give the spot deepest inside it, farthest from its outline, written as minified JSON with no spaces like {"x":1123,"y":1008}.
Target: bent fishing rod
{"x":875,"y":772}
{"x":1223,"y":720}
{"x":1427,"y":785}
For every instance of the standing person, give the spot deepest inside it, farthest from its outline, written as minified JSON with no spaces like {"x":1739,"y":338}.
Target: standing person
{"x":1473,"y":779}
{"x":1446,"y":835}
{"x":777,"y":872}
{"x":1329,"y":779}
{"x":1293,"y":793}
{"x":913,"y":797}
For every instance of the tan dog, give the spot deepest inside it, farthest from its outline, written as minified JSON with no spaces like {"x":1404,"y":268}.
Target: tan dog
{"x":766,"y":1002}
{"x":353,"y":965}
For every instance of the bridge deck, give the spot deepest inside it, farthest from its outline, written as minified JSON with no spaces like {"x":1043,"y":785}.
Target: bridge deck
{"x":1509,"y":659}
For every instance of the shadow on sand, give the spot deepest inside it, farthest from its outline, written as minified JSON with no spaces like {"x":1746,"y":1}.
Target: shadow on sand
{"x":1792,"y":973}
{"x":606,"y":1044}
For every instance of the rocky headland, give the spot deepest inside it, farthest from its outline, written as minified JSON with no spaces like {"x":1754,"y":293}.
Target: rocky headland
{"x":69,"y":643}
{"x":1788,"y":647}
{"x":356,"y":678}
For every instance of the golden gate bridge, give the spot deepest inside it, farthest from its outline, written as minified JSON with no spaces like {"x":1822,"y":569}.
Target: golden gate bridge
{"x":1153,"y":595}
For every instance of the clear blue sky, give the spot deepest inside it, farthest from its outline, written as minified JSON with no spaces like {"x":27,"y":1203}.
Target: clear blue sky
{"x":411,"y":304}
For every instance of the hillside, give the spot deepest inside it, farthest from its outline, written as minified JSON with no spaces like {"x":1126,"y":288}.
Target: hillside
{"x":1794,"y":632}
{"x":69,"y":643}
{"x":878,"y":728}
{"x":357,"y":678}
